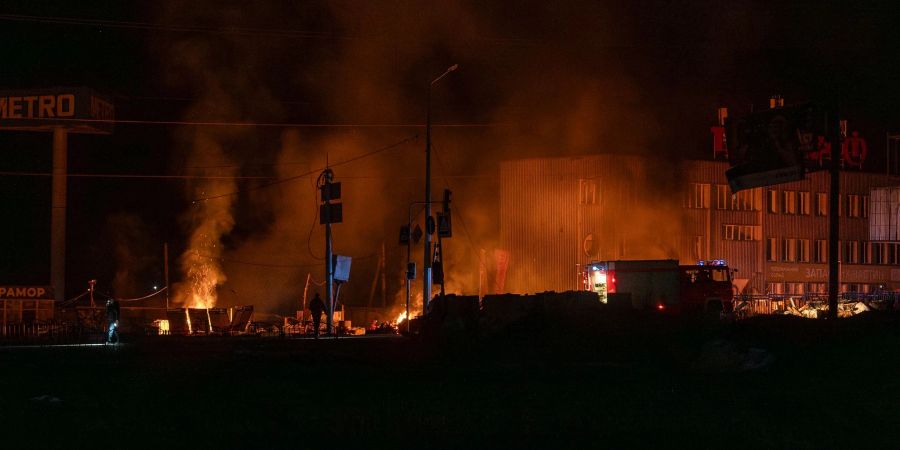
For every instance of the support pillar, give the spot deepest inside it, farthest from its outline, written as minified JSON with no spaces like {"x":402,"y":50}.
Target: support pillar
{"x":58,"y":215}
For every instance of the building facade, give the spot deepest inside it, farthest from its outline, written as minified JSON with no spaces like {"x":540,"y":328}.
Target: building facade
{"x":558,"y":214}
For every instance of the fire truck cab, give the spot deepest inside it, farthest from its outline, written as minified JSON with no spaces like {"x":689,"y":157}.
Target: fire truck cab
{"x":664,"y":285}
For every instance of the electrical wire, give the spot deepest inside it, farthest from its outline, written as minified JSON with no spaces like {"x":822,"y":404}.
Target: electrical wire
{"x":447,"y":183}
{"x":245,"y":31}
{"x":260,"y":124}
{"x":141,"y":298}
{"x":306,"y":174}
{"x":258,"y":264}
{"x":73,"y":300}
{"x":181,"y":28}
{"x":151,"y":177}
{"x":312,"y":225}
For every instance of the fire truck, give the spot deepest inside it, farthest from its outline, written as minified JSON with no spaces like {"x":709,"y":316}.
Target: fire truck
{"x":663,"y":285}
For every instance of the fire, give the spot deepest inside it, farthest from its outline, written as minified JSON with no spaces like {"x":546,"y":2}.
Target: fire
{"x":400,"y":317}
{"x":202,"y":276}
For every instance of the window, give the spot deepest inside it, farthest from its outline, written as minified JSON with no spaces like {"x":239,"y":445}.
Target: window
{"x":696,"y":247}
{"x":803,"y":250}
{"x":587,"y":192}
{"x":821,"y":204}
{"x":803,"y":203}
{"x":773,"y":202}
{"x":789,"y":250}
{"x":741,"y":232}
{"x":697,"y":196}
{"x":865,"y":252}
{"x":817,"y":288}
{"x":789,"y":202}
{"x":865,"y":206}
{"x":746,"y":200}
{"x":850,"y":252}
{"x":722,"y":194}
{"x":793,"y":288}
{"x":771,"y":249}
{"x":877,"y":253}
{"x":853,"y":206}
{"x":821,"y":251}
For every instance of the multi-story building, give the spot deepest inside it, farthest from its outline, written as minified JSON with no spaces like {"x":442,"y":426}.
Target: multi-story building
{"x":557,"y":214}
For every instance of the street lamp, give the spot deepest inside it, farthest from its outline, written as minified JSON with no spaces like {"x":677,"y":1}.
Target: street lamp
{"x":426,"y":272}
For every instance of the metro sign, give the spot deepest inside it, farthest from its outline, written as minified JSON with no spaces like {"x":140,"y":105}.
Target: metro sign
{"x":78,"y":110}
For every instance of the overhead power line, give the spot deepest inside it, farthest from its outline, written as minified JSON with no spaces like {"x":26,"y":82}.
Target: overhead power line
{"x":306,"y":174}
{"x":226,"y":30}
{"x":124,"y":175}
{"x":307,"y":34}
{"x":213,"y":123}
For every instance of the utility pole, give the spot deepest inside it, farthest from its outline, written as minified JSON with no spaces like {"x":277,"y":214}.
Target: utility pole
{"x":327,"y":175}
{"x":834,"y":220}
{"x":429,"y":221}
{"x":329,"y":213}
{"x":166,"y":270}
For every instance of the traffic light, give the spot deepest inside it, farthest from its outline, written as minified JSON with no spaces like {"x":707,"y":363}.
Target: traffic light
{"x":437,"y":272}
{"x":447,"y":195}
{"x":445,"y":228}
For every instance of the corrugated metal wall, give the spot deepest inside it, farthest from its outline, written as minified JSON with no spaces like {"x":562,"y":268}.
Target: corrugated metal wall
{"x":551,"y":228}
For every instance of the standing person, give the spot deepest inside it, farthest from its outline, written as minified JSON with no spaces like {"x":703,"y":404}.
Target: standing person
{"x":112,"y":318}
{"x":316,"y":308}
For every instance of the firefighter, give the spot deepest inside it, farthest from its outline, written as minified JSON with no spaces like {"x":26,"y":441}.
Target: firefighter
{"x":316,"y":308}
{"x":112,"y":318}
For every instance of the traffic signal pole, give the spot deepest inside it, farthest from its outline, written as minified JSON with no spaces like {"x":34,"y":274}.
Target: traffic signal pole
{"x":834,"y":220}
{"x":327,"y":176}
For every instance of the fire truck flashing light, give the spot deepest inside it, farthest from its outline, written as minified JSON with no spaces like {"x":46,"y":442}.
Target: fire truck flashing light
{"x":712,"y":262}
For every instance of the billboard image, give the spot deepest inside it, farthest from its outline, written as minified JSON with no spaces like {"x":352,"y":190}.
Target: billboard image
{"x":771,"y":147}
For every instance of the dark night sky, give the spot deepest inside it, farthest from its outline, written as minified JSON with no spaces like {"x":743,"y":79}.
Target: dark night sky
{"x":665,"y":64}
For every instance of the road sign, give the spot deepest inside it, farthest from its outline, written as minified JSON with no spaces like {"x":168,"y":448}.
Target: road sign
{"x":417,"y":234}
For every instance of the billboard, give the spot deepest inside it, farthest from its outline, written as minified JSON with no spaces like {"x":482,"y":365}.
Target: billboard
{"x":78,"y":110}
{"x":771,"y":147}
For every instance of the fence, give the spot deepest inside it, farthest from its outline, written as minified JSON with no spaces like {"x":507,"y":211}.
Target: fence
{"x":47,"y":332}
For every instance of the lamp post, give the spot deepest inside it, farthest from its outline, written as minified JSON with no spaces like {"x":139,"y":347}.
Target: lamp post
{"x":426,"y":272}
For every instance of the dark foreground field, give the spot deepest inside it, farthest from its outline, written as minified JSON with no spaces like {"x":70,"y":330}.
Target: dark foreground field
{"x":619,"y":381}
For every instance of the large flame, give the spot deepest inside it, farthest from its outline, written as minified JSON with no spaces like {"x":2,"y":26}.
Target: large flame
{"x":210,"y":220}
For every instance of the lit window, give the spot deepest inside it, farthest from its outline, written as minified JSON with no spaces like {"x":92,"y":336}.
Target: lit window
{"x":771,"y":249}
{"x":741,"y":232}
{"x":821,"y":204}
{"x":773,"y":202}
{"x":789,"y":202}
{"x":789,"y":250}
{"x":587,"y":192}
{"x":804,"y":203}
{"x":697,"y":196}
{"x":803,"y":250}
{"x":722,"y":194}
{"x":821,"y":251}
{"x":853,"y":206}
